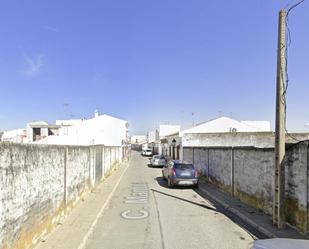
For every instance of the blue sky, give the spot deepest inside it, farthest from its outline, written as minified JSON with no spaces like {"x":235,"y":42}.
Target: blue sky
{"x":148,"y":61}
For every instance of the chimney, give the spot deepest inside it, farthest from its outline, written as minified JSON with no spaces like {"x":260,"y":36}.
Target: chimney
{"x":96,"y":113}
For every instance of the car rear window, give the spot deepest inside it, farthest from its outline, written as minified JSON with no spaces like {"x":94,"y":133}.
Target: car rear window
{"x":148,"y":150}
{"x":156,"y":157}
{"x":183,"y":166}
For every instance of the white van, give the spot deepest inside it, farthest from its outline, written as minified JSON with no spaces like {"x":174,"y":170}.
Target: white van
{"x":147,"y":152}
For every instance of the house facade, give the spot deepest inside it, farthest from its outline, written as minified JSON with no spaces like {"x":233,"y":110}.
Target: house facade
{"x":172,"y":145}
{"x":101,"y":129}
{"x":165,"y":131}
{"x":153,"y":141}
{"x":14,"y":136}
{"x":39,"y":130}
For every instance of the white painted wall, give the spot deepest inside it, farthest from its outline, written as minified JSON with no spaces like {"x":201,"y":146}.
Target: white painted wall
{"x":262,"y":125}
{"x":103,"y":129}
{"x":228,"y":139}
{"x":145,"y":146}
{"x":153,"y":136}
{"x":30,"y":130}
{"x":225,"y":124}
{"x":165,"y":130}
{"x":14,"y":136}
{"x":68,"y":122}
{"x":137,"y":139}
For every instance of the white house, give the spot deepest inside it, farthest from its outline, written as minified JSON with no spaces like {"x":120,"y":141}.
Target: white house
{"x":65,"y":124}
{"x":102,"y":129}
{"x":165,"y":130}
{"x":172,"y":145}
{"x":153,"y":136}
{"x":39,"y":130}
{"x":138,"y":139}
{"x":153,"y":140}
{"x":14,"y":136}
{"x":225,"y":124}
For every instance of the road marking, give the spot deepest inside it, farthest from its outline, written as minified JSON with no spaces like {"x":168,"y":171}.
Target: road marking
{"x":86,"y":237}
{"x":144,"y":214}
{"x":141,"y":201}
{"x":159,"y":220}
{"x":139,"y":195}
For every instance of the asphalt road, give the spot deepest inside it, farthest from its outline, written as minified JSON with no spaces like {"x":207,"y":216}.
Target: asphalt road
{"x":144,"y":213}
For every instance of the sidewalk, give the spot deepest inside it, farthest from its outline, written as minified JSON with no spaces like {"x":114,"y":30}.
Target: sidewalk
{"x":250,"y":216}
{"x":76,"y":228}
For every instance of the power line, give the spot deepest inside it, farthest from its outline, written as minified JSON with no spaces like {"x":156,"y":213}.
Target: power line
{"x":294,"y":6}
{"x":286,"y":48}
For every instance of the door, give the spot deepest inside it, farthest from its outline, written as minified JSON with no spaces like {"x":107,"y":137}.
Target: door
{"x":178,"y":149}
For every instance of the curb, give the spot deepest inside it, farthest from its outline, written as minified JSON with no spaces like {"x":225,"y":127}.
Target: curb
{"x":90,"y":230}
{"x":249,"y":221}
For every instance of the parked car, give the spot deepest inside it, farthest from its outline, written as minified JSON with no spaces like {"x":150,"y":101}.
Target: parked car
{"x":147,"y":152}
{"x":180,"y":173}
{"x":158,"y":160}
{"x":280,"y":244}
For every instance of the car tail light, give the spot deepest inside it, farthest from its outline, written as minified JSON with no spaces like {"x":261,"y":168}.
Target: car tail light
{"x":173,"y":172}
{"x":197,"y":173}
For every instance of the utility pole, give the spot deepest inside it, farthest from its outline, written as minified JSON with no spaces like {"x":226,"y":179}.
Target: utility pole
{"x":278,"y":219}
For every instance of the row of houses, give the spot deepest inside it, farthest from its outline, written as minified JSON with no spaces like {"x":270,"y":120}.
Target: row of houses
{"x":101,"y":129}
{"x":239,"y":158}
{"x":170,"y":140}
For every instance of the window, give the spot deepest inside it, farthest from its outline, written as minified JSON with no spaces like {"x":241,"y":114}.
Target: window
{"x":183,"y":166}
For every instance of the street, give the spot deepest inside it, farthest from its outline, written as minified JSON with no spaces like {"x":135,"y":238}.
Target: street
{"x":96,"y":93}
{"x":144,"y":213}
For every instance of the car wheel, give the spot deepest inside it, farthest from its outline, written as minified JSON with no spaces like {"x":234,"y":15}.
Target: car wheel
{"x":195,"y":186}
{"x":169,"y":182}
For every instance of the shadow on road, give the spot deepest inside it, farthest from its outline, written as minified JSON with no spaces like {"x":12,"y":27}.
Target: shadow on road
{"x":155,"y":167}
{"x":216,"y":207}
{"x":185,"y":200}
{"x":163,"y":183}
{"x":254,"y":233}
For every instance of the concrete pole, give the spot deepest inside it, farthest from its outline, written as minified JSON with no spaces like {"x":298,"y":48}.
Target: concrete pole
{"x":278,"y":218}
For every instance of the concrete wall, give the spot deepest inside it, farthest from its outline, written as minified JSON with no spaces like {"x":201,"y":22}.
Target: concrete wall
{"x":248,"y":174}
{"x":242,"y":139}
{"x":253,"y":176}
{"x":297,"y":186}
{"x":41,"y":183}
{"x":212,"y":162}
